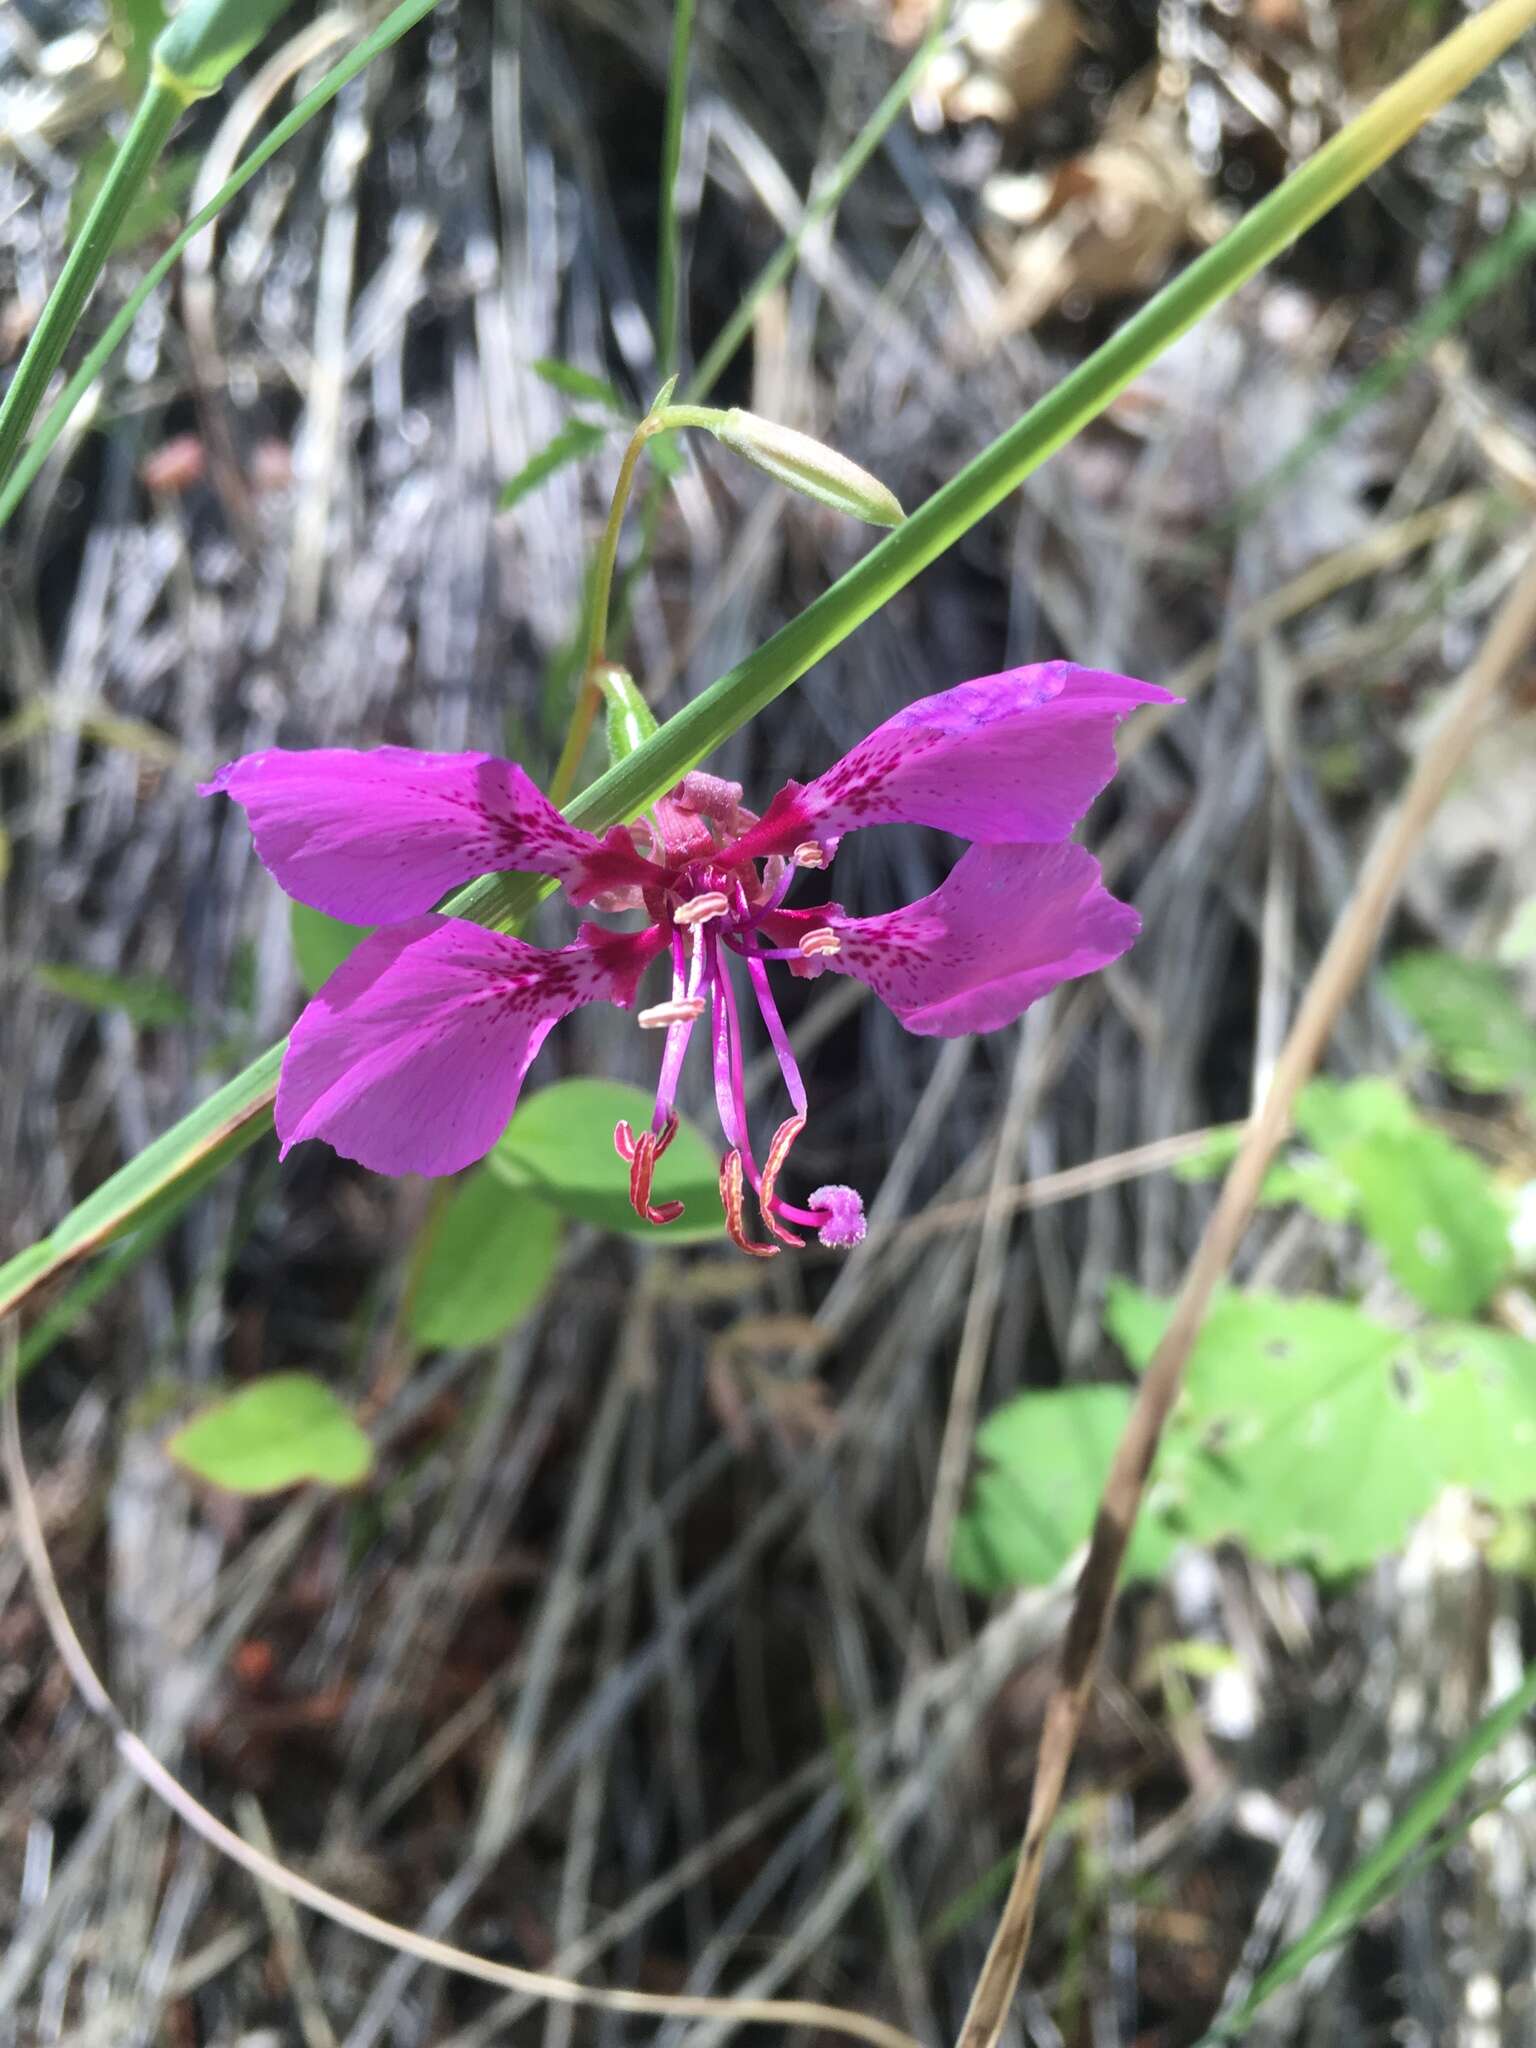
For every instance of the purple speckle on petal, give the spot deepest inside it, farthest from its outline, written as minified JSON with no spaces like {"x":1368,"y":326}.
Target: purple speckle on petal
{"x":844,"y":1226}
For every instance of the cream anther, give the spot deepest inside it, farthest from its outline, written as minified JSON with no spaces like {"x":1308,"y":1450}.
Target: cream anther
{"x":680,"y":1010}
{"x":808,"y":855}
{"x":698,"y":909}
{"x":819,"y":942}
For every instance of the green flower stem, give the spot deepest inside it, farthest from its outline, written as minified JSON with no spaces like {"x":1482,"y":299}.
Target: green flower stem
{"x":238,"y":1113}
{"x":590,"y":696}
{"x":671,"y":154}
{"x":163,"y":103}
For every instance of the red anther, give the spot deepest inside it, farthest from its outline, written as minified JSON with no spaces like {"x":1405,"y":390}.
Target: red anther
{"x":773,"y":1166}
{"x":733,"y":1201}
{"x":648,"y":1149}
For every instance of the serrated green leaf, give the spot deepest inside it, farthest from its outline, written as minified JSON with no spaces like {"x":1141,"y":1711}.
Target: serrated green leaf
{"x":1331,"y":1114}
{"x":1032,"y":1504}
{"x":577,"y":383}
{"x":321,"y":943}
{"x":1477,"y":1388}
{"x":1435,"y":1212}
{"x":275,"y":1433}
{"x":144,"y":998}
{"x":559,"y":1146}
{"x":1478,"y":1030}
{"x":575,"y":439}
{"x":1294,"y":1434}
{"x":1316,"y":1184}
{"x":491,"y":1256}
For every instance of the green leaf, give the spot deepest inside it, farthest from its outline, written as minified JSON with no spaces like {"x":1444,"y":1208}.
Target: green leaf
{"x":559,"y":1146}
{"x":276,"y":1432}
{"x":1316,"y":1184}
{"x":1477,"y":1392}
{"x":575,"y":383}
{"x":491,"y":1256}
{"x":321,"y":943}
{"x":1033,"y":1504}
{"x":1477,"y":1029}
{"x":1519,"y":940}
{"x":144,"y":998}
{"x":157,"y":204}
{"x":1333,"y":1114}
{"x":1433,"y":1209}
{"x":1294,"y":1435}
{"x":575,"y":439}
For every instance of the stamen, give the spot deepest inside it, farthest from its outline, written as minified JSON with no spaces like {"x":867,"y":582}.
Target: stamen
{"x":733,"y":1201}
{"x":823,"y":941}
{"x":778,"y":1152}
{"x":678,"y":1010}
{"x":624,"y":1138}
{"x":648,"y":1148}
{"x":712,"y":903}
{"x":808,"y":855}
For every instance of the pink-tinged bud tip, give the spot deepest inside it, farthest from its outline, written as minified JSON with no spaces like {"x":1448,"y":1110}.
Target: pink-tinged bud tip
{"x":844,"y":1225}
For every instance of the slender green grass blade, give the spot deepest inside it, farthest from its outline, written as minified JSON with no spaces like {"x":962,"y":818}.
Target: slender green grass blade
{"x":190,"y":1152}
{"x":160,"y":108}
{"x":671,"y":154}
{"x":1387,"y":1866}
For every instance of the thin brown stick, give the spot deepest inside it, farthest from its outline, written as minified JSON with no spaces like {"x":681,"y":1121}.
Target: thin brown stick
{"x":1343,"y":962}
{"x":784,"y":2013}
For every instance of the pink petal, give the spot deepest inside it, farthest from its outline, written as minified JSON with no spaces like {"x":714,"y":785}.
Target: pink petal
{"x":371,"y":836}
{"x":1006,"y":925}
{"x":410,"y":1058}
{"x":1008,"y":758}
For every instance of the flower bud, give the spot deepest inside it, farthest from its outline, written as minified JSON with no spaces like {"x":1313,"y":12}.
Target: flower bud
{"x":205,"y":41}
{"x":630,"y":722}
{"x":805,"y":465}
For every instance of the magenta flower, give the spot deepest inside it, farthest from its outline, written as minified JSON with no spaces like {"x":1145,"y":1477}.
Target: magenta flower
{"x":411,"y":1056}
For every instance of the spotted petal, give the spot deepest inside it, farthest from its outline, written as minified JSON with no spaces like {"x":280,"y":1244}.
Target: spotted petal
{"x":374,"y":835}
{"x":1007,"y":925}
{"x":411,"y":1056}
{"x":1008,"y":758}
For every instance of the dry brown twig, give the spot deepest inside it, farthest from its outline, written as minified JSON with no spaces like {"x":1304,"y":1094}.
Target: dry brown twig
{"x":267,"y":1871}
{"x":1343,"y":962}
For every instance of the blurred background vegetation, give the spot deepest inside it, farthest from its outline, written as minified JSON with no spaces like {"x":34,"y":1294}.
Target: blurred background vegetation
{"x":644,"y":1632}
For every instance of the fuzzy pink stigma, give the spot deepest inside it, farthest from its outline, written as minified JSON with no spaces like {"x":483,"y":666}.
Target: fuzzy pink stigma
{"x":698,"y":909}
{"x":677,"y":1010}
{"x":821,"y":943}
{"x":808,"y":855}
{"x":733,"y":1191}
{"x":844,"y":1225}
